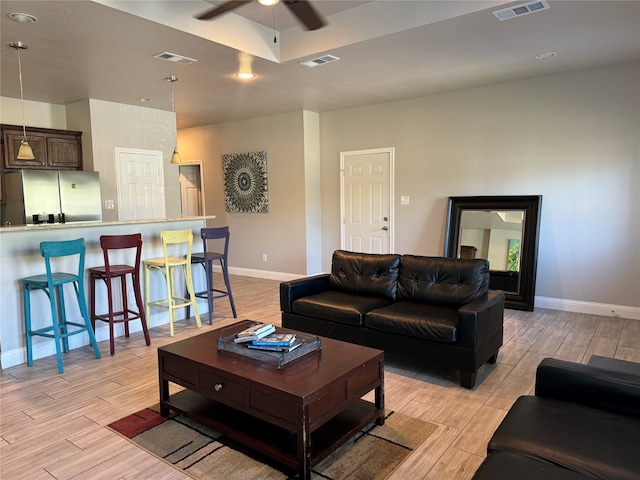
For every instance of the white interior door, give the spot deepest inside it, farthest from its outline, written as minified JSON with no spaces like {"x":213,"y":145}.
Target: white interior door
{"x":191,"y":190}
{"x":366,"y":199}
{"x":140,"y":184}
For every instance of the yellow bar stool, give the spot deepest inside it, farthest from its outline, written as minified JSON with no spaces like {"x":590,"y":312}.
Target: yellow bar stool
{"x":166,"y":266}
{"x":52,"y":284}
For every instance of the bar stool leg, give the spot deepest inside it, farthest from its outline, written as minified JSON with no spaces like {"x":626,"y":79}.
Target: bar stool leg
{"x":142,"y":312}
{"x":112,"y":347}
{"x":191,"y":294}
{"x":56,"y":299}
{"x":26,"y":302}
{"x":146,"y":289}
{"x":208,"y":268}
{"x":227,"y":282}
{"x":84,"y":311}
{"x":172,"y":314}
{"x":125,"y":304}
{"x":62,"y":317}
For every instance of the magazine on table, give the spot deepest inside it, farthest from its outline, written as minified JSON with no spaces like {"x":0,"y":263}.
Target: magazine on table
{"x":276,"y":339}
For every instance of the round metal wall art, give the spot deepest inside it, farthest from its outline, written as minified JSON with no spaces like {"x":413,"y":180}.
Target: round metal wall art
{"x":245,"y":182}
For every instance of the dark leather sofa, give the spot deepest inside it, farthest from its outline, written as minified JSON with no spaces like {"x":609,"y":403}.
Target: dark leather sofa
{"x":582,"y":424}
{"x":431,"y":309}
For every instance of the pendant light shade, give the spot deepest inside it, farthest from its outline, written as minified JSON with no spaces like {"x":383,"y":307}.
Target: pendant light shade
{"x":175,"y":157}
{"x":25,"y":152}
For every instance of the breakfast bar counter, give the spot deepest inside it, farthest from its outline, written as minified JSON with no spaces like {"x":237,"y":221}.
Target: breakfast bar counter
{"x":20,"y":257}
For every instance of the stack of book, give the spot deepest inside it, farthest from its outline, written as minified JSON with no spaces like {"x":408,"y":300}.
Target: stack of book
{"x":276,"y":342}
{"x":263,"y":336}
{"x":255,"y":332}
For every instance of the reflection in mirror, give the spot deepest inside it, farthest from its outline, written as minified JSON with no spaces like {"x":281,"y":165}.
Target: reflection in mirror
{"x":503,"y":230}
{"x":494,"y":235}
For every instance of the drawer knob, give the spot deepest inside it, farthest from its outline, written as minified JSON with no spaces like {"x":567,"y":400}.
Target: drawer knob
{"x":217,"y":387}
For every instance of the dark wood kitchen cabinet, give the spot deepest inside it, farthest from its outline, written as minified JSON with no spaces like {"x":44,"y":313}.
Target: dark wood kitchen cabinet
{"x":53,"y":149}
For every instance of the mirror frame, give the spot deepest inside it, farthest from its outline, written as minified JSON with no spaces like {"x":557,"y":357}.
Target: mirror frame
{"x":531,"y":204}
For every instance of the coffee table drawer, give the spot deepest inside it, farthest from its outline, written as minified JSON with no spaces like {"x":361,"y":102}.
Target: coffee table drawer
{"x":222,"y":389}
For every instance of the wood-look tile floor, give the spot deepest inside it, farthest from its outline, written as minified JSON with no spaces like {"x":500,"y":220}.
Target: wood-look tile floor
{"x":53,"y":426}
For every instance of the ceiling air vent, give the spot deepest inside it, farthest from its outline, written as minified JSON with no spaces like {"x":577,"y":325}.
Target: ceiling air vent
{"x":519,"y":10}
{"x":319,"y":61}
{"x":174,"y":57}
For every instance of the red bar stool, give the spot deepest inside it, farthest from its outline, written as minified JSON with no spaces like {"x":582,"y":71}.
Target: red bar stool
{"x":119,"y":271}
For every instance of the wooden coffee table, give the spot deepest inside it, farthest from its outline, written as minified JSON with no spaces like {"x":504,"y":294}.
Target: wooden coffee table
{"x":296,"y":415}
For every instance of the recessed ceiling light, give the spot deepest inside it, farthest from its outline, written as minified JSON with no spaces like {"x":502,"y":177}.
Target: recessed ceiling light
{"x":22,"y":17}
{"x":143,"y":99}
{"x":245,"y":75}
{"x":542,"y":56}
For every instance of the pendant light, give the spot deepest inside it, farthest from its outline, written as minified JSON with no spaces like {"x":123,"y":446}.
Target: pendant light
{"x":25,"y":152}
{"x":175,"y":157}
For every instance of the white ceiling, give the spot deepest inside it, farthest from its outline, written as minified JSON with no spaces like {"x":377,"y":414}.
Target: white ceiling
{"x":389,"y":50}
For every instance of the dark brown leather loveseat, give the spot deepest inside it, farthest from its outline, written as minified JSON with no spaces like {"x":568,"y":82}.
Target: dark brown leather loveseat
{"x":433,"y":309}
{"x":583,"y":423}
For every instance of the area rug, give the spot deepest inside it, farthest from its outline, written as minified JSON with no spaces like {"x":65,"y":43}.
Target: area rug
{"x":204,"y":454}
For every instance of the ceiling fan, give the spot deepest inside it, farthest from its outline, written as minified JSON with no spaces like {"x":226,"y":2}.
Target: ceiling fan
{"x":302,"y":9}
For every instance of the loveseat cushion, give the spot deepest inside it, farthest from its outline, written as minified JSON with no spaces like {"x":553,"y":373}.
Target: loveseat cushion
{"x":369,"y":274}
{"x":337,"y":306}
{"x":508,"y":466}
{"x":430,"y":322}
{"x":442,"y":281}
{"x":588,"y":440}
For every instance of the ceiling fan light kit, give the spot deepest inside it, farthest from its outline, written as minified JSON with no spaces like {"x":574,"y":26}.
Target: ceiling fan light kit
{"x":302,"y":10}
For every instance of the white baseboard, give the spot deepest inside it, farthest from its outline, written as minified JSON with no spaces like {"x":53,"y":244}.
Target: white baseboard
{"x":269,"y":275}
{"x":577,"y":306}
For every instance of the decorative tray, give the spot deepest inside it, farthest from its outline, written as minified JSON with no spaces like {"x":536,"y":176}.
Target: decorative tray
{"x":309,"y":343}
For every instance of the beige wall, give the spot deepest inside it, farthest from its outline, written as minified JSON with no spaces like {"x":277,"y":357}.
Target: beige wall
{"x":572,"y":138}
{"x":281,"y":232}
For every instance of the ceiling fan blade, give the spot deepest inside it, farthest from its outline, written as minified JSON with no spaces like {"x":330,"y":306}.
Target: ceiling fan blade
{"x":222,"y":8}
{"x":305,"y":13}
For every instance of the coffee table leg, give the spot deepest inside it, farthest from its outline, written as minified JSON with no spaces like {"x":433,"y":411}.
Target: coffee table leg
{"x":379,"y":396}
{"x":304,"y":445}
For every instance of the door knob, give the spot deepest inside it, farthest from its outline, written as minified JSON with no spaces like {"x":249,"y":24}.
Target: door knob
{"x":386,"y":219}
{"x":385,"y":228}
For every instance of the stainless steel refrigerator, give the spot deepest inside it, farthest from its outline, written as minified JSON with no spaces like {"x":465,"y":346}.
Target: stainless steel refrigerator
{"x":52,"y":196}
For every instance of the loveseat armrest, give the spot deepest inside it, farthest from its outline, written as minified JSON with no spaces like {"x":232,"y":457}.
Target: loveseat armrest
{"x":301,"y":287}
{"x":480,"y":319}
{"x":595,"y":387}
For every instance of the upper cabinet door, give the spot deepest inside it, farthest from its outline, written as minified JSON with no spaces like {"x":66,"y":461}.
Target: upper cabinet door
{"x":38,"y":145}
{"x":58,"y":149}
{"x":64,"y":152}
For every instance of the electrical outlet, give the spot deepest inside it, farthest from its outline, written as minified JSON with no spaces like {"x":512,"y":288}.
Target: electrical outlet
{"x":404,"y":200}
{"x":109,"y":205}
{"x":264,"y":257}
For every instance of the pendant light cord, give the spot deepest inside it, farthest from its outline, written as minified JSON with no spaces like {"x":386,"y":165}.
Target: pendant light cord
{"x":273,"y":16}
{"x":24,"y":128}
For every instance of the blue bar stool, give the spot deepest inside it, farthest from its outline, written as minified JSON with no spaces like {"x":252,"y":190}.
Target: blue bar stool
{"x":52,"y":284}
{"x":206,"y":259}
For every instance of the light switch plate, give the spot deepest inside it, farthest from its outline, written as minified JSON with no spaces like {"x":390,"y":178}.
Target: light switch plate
{"x":404,"y":200}
{"x":109,"y":205}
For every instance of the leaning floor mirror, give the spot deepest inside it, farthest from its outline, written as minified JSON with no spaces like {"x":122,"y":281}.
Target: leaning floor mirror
{"x":503,"y":230}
